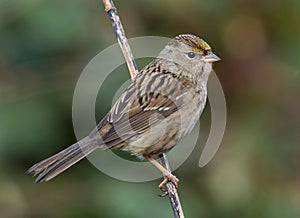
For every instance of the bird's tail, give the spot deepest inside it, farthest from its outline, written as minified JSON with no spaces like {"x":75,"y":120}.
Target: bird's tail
{"x":56,"y":164}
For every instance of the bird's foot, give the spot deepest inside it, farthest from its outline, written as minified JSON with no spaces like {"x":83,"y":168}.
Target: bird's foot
{"x":169,"y":178}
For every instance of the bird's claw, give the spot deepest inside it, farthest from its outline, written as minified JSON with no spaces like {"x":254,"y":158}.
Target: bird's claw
{"x":164,"y":194}
{"x":169,"y":178}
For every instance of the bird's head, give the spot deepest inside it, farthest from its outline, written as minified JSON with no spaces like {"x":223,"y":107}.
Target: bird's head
{"x":191,"y":52}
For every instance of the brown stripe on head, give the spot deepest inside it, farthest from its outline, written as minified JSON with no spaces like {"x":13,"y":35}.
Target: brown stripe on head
{"x":197,"y":44}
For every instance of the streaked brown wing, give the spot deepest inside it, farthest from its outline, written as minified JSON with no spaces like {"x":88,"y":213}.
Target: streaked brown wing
{"x":144,"y":103}
{"x":138,"y":119}
{"x":132,"y":115}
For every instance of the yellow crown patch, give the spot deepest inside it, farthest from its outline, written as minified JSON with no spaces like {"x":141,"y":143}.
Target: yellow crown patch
{"x":197,"y":44}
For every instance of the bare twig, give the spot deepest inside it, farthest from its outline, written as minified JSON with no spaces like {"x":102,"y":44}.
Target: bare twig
{"x":172,"y":191}
{"x":111,"y":10}
{"x":123,"y":43}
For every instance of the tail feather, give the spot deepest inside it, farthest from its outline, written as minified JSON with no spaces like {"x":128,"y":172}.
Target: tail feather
{"x":56,"y":164}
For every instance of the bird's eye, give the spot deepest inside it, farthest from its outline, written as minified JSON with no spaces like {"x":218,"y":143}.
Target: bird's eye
{"x":191,"y":54}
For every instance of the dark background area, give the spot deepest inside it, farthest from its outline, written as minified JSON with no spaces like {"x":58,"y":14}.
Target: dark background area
{"x":44,"y":46}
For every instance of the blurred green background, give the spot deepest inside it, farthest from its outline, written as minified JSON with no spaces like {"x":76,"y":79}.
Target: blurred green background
{"x":44,"y":46}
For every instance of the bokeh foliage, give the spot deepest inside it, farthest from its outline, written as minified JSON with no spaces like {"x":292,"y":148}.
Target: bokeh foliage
{"x":44,"y":45}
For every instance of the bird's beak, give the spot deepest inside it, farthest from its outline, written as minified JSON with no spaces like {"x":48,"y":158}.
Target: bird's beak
{"x":211,"y":57}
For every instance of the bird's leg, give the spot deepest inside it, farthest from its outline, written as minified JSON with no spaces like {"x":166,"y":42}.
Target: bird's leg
{"x":168,"y":176}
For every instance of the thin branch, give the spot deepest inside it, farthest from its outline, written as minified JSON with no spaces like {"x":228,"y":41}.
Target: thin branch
{"x":111,"y":10}
{"x":172,"y":191}
{"x":123,"y":43}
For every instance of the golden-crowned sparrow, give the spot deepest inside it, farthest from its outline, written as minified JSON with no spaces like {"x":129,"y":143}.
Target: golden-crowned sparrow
{"x":160,"y":107}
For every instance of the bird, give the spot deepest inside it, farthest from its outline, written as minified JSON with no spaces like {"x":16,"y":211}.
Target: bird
{"x":160,"y":106}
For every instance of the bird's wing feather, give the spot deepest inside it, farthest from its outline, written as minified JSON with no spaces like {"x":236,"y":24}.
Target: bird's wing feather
{"x":133,"y":114}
